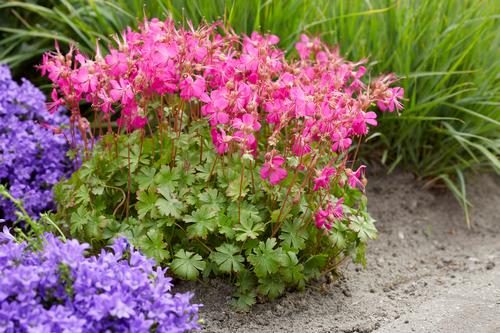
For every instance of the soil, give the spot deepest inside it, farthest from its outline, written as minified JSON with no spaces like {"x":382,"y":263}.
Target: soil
{"x":427,"y":272}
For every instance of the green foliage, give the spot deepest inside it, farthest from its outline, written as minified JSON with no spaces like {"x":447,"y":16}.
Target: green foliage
{"x":197,"y":222}
{"x":27,"y":229}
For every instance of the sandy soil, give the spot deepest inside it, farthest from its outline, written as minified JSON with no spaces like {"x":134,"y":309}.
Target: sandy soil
{"x":425,"y":273}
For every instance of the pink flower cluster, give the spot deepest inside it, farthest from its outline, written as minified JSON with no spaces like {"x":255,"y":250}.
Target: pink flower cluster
{"x":252,"y":96}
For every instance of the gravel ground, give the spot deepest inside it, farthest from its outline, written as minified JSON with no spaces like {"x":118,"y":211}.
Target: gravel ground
{"x":425,"y":273}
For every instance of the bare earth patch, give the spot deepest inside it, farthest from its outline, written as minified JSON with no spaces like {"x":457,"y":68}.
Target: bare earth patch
{"x":425,"y":273}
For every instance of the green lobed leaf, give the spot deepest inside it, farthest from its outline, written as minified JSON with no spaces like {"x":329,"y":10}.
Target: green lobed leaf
{"x":187,"y":265}
{"x":314,"y":265}
{"x":237,"y":187}
{"x":79,"y":219}
{"x":293,"y":236}
{"x":244,"y":301}
{"x":146,"y":203}
{"x":292,"y":270}
{"x":202,"y":221}
{"x":212,"y":200}
{"x":227,"y":258}
{"x":364,"y":227}
{"x":167,"y":178}
{"x":248,"y":230}
{"x":152,"y":245}
{"x":146,"y":178}
{"x":169,"y":205}
{"x":271,"y":286}
{"x":265,"y":259}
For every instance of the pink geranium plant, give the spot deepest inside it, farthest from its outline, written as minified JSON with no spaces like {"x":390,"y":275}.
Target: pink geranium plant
{"x":295,"y":122}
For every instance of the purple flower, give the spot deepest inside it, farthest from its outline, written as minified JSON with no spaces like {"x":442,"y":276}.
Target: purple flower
{"x":60,"y":289}
{"x":32,"y":157}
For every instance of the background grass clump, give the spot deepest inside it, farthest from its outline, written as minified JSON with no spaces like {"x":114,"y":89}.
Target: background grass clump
{"x":445,"y":51}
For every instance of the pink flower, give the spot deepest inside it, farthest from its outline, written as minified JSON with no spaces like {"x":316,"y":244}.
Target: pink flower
{"x":106,"y":101}
{"x":247,"y":123}
{"x":325,"y":218}
{"x":117,"y":62}
{"x":354,"y":178}
{"x":357,"y":83}
{"x":303,"y":102}
{"x":340,"y":140}
{"x":241,"y":96}
{"x":246,"y":126}
{"x":303,"y":47}
{"x":164,"y":52}
{"x":323,"y":180}
{"x":220,"y":141}
{"x":56,"y":102}
{"x":321,"y":219}
{"x":139,"y":122}
{"x":215,"y":109}
{"x":272,"y":170}
{"x":121,"y":91}
{"x":84,"y":81}
{"x":363,"y":118}
{"x":300,"y":146}
{"x":390,"y":100}
{"x":196,"y":88}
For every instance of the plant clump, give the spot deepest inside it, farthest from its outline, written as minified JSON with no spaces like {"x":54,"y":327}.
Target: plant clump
{"x":60,"y":289}
{"x":220,"y":156}
{"x":33,"y":147}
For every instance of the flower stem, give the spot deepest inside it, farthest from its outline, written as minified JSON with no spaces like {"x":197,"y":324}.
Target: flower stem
{"x":278,"y":220}
{"x":241,"y":186}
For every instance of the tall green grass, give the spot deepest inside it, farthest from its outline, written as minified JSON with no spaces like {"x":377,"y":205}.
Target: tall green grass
{"x":446,"y":52}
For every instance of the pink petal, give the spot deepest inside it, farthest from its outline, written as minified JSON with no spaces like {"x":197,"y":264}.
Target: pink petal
{"x":264,"y":172}
{"x":277,"y":175}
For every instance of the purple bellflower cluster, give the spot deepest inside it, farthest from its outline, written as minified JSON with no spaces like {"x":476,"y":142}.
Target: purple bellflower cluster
{"x":59,"y":289}
{"x":32,"y":156}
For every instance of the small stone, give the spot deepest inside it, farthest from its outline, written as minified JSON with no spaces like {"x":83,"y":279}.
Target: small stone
{"x":407,"y":321}
{"x":413,"y":204}
{"x":346,"y":293}
{"x":490,"y":265}
{"x":372,"y":291}
{"x":401,"y":235}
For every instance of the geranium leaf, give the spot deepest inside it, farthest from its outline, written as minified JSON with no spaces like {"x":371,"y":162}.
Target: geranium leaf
{"x":202,"y":221}
{"x":146,"y":201}
{"x":293,"y":236}
{"x":187,"y":265}
{"x":146,"y":178}
{"x":244,"y":301}
{"x":292,"y":271}
{"x":167,"y":178}
{"x":237,"y":187}
{"x":265,"y":259}
{"x":364,"y":227}
{"x":247,"y":229}
{"x":211,"y":199}
{"x":79,"y":219}
{"x":152,"y":245}
{"x":169,"y":205}
{"x":271,"y":286}
{"x":227,"y":259}
{"x":314,"y":265}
